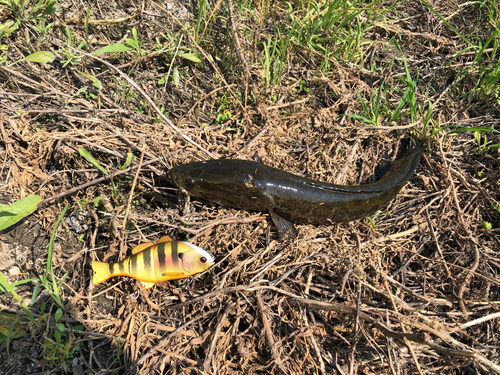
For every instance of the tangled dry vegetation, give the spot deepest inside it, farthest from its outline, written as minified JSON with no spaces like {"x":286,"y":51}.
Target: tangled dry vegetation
{"x":413,"y":289}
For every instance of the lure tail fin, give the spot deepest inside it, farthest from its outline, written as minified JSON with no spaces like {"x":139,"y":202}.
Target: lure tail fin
{"x":101,"y":272}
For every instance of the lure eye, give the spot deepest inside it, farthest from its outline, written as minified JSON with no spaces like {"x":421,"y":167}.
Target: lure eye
{"x":203,"y":260}
{"x":189,"y":182}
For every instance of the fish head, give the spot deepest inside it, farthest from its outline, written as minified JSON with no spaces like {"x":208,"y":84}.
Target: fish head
{"x":194,"y":259}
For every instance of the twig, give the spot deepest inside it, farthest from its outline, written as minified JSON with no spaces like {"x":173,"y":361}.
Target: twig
{"x":357,"y":326}
{"x":347,"y":164}
{"x":228,"y":220}
{"x":167,"y":338}
{"x":106,"y":22}
{"x":415,"y":337}
{"x":315,"y":346}
{"x":467,"y":279}
{"x":94,"y":182}
{"x":261,"y":133}
{"x":130,"y":197}
{"x":433,"y":234}
{"x":232,"y":289}
{"x":278,"y":106}
{"x":270,"y":338}
{"x":208,"y":358}
{"x":405,"y":340}
{"x":352,"y":311}
{"x":394,"y":236}
{"x":237,"y":47}
{"x":480,"y":320}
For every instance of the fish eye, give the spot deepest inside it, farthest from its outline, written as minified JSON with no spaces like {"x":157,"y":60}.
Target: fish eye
{"x":189,"y":182}
{"x":203,"y":260}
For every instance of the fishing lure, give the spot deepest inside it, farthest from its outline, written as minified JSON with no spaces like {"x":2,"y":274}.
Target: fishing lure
{"x":153,"y":263}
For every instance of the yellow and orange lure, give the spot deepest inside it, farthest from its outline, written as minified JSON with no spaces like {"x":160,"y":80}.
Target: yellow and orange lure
{"x":153,"y":263}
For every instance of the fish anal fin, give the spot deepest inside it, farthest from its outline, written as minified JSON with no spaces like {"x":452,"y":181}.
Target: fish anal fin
{"x":165,"y":238}
{"x":146,"y":285}
{"x":286,"y":228}
{"x":142,"y":246}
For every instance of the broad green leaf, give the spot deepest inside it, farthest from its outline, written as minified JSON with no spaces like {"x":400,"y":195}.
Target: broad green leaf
{"x":111,"y":48}
{"x":11,"y":214}
{"x":94,"y":80}
{"x":57,"y":336}
{"x":88,"y":156}
{"x":5,"y":331}
{"x":190,"y":56}
{"x":41,"y":57}
{"x":60,"y":327}
{"x":132,"y":42}
{"x":58,"y":315}
{"x":162,"y":80}
{"x":51,"y":8}
{"x":176,"y":76}
{"x":130,"y":159}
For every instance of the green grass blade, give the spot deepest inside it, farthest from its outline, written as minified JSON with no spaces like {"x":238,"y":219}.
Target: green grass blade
{"x":447,"y":23}
{"x":130,"y":159}
{"x":88,"y":156}
{"x":9,"y":335}
{"x":51,"y":250}
{"x":6,"y":285}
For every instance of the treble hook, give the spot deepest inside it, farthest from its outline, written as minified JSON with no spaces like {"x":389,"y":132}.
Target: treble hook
{"x":138,"y":292}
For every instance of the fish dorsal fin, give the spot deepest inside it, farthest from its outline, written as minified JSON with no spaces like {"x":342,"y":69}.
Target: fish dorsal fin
{"x":142,"y":246}
{"x":165,"y":238}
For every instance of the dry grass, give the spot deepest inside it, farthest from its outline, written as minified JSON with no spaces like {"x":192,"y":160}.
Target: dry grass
{"x":414,"y":291}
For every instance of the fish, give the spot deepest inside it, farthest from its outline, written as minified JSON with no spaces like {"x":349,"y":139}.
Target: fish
{"x":151,"y":263}
{"x":290,"y":198}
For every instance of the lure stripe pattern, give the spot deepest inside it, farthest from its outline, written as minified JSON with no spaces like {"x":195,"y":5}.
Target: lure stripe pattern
{"x":161,"y":257}
{"x":175,"y":254}
{"x":133,"y":268}
{"x":147,"y":260}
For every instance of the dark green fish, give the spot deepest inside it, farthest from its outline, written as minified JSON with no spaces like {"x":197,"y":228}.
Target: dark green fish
{"x":254,"y":186}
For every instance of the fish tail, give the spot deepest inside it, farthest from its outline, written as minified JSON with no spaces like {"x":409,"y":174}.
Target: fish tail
{"x":101,"y":272}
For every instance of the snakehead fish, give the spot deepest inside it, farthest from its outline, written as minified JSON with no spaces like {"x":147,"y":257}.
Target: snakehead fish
{"x":153,"y":263}
{"x":254,"y":186}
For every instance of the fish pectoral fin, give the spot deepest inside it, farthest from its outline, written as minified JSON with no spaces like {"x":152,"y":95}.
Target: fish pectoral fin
{"x":165,"y":238}
{"x":146,"y":285}
{"x":286,"y":228}
{"x":142,"y":246}
{"x":174,"y":275}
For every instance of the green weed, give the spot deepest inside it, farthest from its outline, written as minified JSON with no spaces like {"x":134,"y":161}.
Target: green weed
{"x":486,"y":225}
{"x":26,"y":14}
{"x":59,"y":348}
{"x":377,"y":110}
{"x":11,"y":327}
{"x":115,"y":357}
{"x":69,"y":56}
{"x":480,"y":136}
